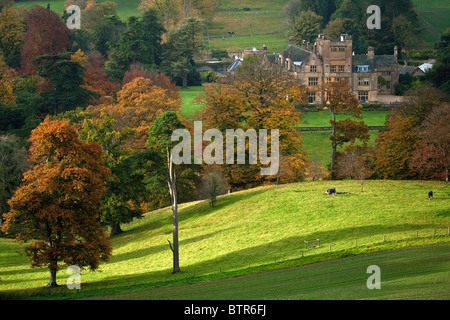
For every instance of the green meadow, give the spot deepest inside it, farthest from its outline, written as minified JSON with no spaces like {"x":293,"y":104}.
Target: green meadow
{"x":434,"y":15}
{"x":190,"y":108}
{"x":125,"y":8}
{"x":249,"y":232}
{"x":421,"y":272}
{"x":322,"y":118}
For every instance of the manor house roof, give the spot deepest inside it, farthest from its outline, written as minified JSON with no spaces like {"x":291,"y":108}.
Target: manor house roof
{"x":297,"y":54}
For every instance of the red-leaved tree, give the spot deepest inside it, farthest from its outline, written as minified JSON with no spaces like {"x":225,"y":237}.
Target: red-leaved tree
{"x":57,"y":207}
{"x":45,"y":33}
{"x":431,"y":158}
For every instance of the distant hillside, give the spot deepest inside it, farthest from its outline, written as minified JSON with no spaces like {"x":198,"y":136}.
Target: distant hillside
{"x":258,"y":23}
{"x":125,"y":8}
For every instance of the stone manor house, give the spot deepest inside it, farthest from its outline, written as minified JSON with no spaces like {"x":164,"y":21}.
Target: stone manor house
{"x":329,"y":60}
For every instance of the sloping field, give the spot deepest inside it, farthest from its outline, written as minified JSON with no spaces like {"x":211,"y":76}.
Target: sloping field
{"x":251,"y":231}
{"x":407,"y":273}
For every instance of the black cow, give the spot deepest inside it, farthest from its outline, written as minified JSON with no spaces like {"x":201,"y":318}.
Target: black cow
{"x":331,"y":191}
{"x":430,"y":195}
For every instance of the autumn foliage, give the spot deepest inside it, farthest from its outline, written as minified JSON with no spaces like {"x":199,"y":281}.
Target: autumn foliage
{"x":45,"y":33}
{"x":395,"y":147}
{"x":58,"y":205}
{"x":259,"y":97}
{"x":139,"y":103}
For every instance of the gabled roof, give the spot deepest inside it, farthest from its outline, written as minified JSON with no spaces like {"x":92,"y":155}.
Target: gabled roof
{"x":235,"y":64}
{"x":297,"y":54}
{"x":385,"y":60}
{"x":363,"y":60}
{"x":377,"y":61}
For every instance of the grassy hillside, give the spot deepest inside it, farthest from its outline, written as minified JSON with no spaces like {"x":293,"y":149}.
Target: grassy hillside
{"x":434,"y":16}
{"x":251,"y":229}
{"x":125,"y":8}
{"x":258,"y":23}
{"x":406,"y":273}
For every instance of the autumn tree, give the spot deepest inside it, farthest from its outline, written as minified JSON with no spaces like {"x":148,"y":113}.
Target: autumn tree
{"x":138,"y":70}
{"x":57,"y":207}
{"x":355,"y":163}
{"x":168,"y":10}
{"x":96,"y":79}
{"x":431,"y":159}
{"x":46,"y":34}
{"x":139,"y":103}
{"x":395,"y":147}
{"x":315,"y":170}
{"x":260,"y":96}
{"x":341,"y":101}
{"x":12,"y":27}
{"x":173,"y":11}
{"x":213,"y":184}
{"x":5,"y":4}
{"x":397,"y":144}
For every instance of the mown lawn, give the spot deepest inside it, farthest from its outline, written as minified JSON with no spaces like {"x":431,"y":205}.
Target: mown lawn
{"x":322,"y":118}
{"x":190,"y":108}
{"x":318,"y":145}
{"x":407,"y":273}
{"x":248,"y":230}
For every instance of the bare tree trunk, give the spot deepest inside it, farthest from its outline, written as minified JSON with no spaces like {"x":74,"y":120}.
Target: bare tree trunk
{"x":173,"y":195}
{"x":185,"y":75}
{"x":333,"y":146}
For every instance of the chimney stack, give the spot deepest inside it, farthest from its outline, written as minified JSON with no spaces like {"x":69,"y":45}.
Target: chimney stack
{"x":371,"y":52}
{"x":396,"y":53}
{"x":304,"y":44}
{"x":307,"y":46}
{"x":291,"y":41}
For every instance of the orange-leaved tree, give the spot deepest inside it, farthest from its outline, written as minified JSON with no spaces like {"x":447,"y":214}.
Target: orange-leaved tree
{"x":140,"y":102}
{"x":395,"y":147}
{"x":260,"y":96}
{"x":58,"y":205}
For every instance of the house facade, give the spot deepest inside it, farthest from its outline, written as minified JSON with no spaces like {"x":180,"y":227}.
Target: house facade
{"x":329,"y":60}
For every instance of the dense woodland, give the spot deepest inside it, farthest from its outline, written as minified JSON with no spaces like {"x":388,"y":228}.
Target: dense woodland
{"x":86,"y":115}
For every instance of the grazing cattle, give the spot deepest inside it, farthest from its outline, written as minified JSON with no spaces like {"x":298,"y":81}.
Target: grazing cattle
{"x":331,"y":191}
{"x":430,"y":195}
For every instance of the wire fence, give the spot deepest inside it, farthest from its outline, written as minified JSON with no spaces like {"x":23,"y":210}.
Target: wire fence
{"x":308,"y":248}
